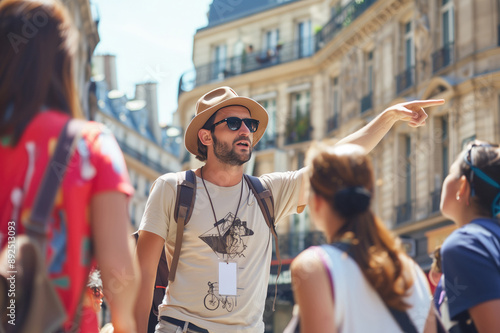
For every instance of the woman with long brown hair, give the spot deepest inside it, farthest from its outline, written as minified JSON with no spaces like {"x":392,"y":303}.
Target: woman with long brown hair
{"x":364,"y":279}
{"x":89,"y":220}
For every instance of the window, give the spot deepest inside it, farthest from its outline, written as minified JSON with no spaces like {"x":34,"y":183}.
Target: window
{"x":409,"y":47}
{"x":270,"y":48}
{"x":271,"y":39}
{"x":301,"y":157}
{"x":441,"y":159}
{"x":298,"y":126}
{"x":407,"y":143}
{"x":219,"y":64}
{"x":444,"y":56}
{"x":404,"y":169}
{"x":366,"y":101}
{"x":269,"y":138}
{"x":237,"y":60}
{"x":369,"y":72}
{"x":406,"y":78}
{"x":497,"y":134}
{"x":334,"y":110}
{"x":305,"y":40}
{"x":445,"y":148}
{"x":300,"y":104}
{"x":447,"y":17}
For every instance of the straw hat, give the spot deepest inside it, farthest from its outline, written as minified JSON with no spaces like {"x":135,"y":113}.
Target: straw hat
{"x":214,"y":100}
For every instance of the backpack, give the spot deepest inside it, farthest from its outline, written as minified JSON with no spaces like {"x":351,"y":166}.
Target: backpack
{"x":28,"y":299}
{"x":184,"y":203}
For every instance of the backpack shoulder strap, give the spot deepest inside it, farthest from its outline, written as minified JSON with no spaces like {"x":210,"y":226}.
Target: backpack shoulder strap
{"x":402,"y":318}
{"x":264,"y":198}
{"x":184,"y":204}
{"x":266,"y":203}
{"x":36,"y":227}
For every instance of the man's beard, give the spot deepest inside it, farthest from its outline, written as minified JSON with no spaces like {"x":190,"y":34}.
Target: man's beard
{"x":228,"y":155}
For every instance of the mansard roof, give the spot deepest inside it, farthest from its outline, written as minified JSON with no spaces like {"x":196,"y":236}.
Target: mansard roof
{"x":223,"y":11}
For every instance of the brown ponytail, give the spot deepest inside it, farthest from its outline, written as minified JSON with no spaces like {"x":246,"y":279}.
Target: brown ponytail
{"x":377,"y":252}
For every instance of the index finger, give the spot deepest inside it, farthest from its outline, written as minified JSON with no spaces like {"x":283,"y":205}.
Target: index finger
{"x":426,"y":102}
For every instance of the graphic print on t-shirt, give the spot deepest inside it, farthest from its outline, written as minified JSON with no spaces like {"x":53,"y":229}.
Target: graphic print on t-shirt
{"x":212,"y":300}
{"x":228,"y":237}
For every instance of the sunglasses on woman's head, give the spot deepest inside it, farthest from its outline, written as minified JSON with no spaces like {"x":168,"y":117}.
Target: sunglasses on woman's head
{"x":468,"y":158}
{"x":234,"y":123}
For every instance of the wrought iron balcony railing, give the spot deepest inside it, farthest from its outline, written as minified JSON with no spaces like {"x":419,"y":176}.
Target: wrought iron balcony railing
{"x":332,"y":123}
{"x":298,"y":129}
{"x":141,"y":157}
{"x":344,"y":17}
{"x":442,"y":58}
{"x":435,"y":200}
{"x":404,"y":212}
{"x":292,"y":244}
{"x":267,"y":141}
{"x":405,"y":79}
{"x":367,"y":102}
{"x":249,"y":61}
{"x":281,"y":53}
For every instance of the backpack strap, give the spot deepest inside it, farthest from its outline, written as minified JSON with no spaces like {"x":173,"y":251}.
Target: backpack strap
{"x":36,"y":227}
{"x":266,"y":203}
{"x":402,"y":318}
{"x":184,"y":203}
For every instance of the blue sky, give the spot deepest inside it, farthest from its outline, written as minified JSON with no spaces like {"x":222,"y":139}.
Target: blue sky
{"x":152,"y":41}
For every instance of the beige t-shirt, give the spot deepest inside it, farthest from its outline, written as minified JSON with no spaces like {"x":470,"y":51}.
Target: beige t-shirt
{"x":245,"y":240}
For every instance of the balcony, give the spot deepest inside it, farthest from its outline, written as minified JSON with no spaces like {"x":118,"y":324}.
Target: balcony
{"x":267,"y":141}
{"x":292,"y":244}
{"x":405,"y":80}
{"x":298,"y":129}
{"x":442,"y":58}
{"x":344,"y":17}
{"x":332,"y":123}
{"x":366,"y":102}
{"x":404,"y":212}
{"x":141,"y":157}
{"x":435,"y":200}
{"x":247,"y":62}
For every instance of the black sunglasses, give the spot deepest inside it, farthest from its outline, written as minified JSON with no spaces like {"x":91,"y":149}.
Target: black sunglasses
{"x":234,"y":123}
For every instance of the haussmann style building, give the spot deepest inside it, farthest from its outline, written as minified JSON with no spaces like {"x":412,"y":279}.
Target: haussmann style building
{"x":325,"y":68}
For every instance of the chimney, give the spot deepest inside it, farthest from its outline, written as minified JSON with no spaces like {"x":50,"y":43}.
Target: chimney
{"x":105,"y":65}
{"x":148,"y":92}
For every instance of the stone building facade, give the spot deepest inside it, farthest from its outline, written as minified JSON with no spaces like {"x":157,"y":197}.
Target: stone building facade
{"x":325,"y":68}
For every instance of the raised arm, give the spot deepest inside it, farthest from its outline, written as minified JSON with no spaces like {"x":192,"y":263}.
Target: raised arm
{"x":412,"y":112}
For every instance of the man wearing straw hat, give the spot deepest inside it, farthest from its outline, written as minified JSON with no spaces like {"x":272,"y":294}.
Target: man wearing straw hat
{"x":223,"y":271}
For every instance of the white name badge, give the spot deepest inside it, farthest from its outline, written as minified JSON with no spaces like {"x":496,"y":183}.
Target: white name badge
{"x":227,"y":278}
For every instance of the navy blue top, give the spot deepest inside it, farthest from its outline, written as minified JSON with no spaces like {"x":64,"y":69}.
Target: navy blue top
{"x":471,"y":266}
